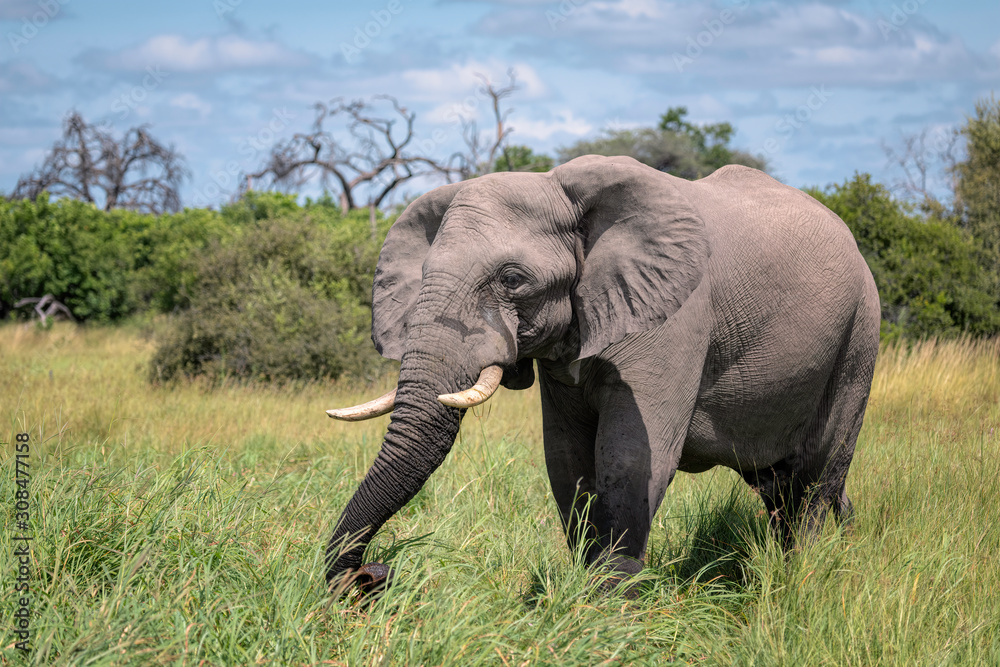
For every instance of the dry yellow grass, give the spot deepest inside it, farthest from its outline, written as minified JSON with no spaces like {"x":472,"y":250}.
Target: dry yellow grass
{"x":957,"y":375}
{"x":88,"y":386}
{"x":91,"y":383}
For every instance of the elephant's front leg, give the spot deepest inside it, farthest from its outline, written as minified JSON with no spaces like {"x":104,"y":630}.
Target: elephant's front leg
{"x":569,"y":428}
{"x":609,"y":468}
{"x":637,"y":448}
{"x":644,"y":389}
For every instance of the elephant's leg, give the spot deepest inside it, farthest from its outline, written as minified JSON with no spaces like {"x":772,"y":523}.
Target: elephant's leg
{"x":639,"y":441}
{"x":839,"y":422}
{"x":782,"y":492}
{"x":569,"y":428}
{"x":645,"y":389}
{"x":799,"y":491}
{"x":797,"y":500}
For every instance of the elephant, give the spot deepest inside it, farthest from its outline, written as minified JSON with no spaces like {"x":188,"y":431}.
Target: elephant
{"x":674,"y":325}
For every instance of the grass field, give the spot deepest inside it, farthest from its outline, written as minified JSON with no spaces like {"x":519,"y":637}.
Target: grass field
{"x":187,"y":526}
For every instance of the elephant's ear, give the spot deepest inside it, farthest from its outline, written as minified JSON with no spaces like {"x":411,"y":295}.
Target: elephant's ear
{"x":643,"y":247}
{"x":398,"y":274}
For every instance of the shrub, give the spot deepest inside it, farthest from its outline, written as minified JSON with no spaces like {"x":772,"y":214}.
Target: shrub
{"x":278,"y":301}
{"x":82,"y":256}
{"x":166,"y":249}
{"x":103,"y":265}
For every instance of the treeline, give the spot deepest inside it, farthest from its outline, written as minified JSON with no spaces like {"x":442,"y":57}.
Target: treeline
{"x":264,"y":289}
{"x":273,"y":290}
{"x":268,"y":289}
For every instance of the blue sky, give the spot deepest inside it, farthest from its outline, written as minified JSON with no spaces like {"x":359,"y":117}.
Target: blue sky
{"x":815,"y":86}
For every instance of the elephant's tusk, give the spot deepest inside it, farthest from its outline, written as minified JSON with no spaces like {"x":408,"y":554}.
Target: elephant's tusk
{"x":480,"y":392}
{"x":380,"y":406}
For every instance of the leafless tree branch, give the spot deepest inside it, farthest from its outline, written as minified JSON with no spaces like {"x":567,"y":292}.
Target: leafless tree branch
{"x":377,"y":155}
{"x":135,"y":172}
{"x":45,"y":307}
{"x":921,"y":160}
{"x":481,"y":152}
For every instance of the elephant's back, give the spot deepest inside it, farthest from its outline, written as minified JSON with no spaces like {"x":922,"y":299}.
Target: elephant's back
{"x":770,"y":239}
{"x":745,"y":208}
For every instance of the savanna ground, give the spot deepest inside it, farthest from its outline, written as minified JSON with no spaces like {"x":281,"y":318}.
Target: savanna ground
{"x":186,"y":526}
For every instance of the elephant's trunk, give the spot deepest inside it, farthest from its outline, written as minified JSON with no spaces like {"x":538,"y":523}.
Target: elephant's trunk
{"x":451,"y":339}
{"x":420,"y":435}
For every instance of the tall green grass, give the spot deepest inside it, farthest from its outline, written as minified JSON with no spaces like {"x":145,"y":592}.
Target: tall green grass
{"x":187,"y":526}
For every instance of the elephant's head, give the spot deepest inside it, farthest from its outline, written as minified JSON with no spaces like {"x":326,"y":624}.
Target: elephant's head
{"x":488,"y":274}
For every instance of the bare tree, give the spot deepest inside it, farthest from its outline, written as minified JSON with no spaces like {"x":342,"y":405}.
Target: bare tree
{"x":923,"y":160}
{"x":482,"y":152}
{"x":378,"y":156}
{"x":135,"y":172}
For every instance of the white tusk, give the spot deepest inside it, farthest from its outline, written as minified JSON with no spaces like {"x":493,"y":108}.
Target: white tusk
{"x":480,"y":392}
{"x":380,"y":406}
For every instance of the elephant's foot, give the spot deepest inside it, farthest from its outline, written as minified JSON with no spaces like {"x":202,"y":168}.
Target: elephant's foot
{"x":616,"y":574}
{"x":621,"y":584}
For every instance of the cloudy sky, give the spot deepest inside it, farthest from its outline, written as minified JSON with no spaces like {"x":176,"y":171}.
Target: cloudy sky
{"x":816,"y":86}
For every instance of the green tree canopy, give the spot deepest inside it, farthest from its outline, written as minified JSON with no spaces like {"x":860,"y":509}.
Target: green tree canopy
{"x":521,"y":158}
{"x":675,"y":146}
{"x":977,"y":186}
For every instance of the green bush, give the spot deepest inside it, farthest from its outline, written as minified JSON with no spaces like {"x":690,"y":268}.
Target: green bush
{"x":254,"y":206}
{"x":104,"y":266}
{"x":71,"y":250}
{"x":927,"y":270}
{"x":166,"y":273}
{"x":280,"y":300}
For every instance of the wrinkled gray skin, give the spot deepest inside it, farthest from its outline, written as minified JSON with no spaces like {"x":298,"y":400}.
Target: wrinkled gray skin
{"x":676,"y":326}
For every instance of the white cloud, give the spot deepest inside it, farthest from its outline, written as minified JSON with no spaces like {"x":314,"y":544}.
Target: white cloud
{"x":192,"y":102}
{"x":21,"y":76}
{"x":632,"y":8}
{"x":834,"y":55}
{"x":543,"y":129}
{"x":753,"y":44}
{"x":175,"y":53}
{"x":458,"y":81}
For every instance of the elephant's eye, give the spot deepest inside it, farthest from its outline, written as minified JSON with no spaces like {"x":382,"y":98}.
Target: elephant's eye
{"x":511,"y":280}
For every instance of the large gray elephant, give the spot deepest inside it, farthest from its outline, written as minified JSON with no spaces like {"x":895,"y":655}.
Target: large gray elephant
{"x":676,"y":325}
